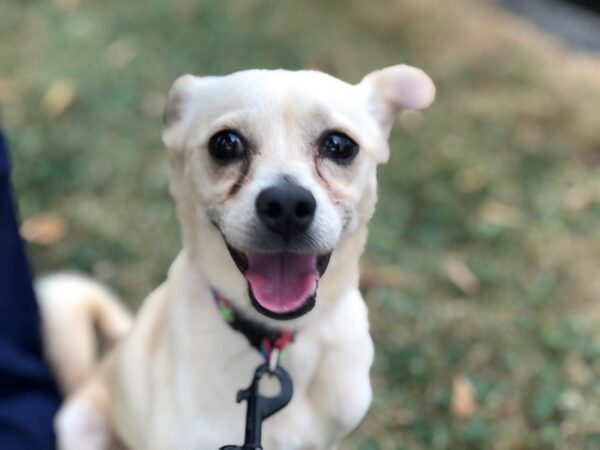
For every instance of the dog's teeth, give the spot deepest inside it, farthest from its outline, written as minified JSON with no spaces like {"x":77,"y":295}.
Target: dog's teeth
{"x":315,"y":289}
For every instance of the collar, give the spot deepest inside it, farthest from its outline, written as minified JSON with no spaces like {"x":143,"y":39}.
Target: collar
{"x":271,"y":343}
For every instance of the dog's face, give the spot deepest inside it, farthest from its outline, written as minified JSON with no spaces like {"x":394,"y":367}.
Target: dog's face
{"x":282,"y":164}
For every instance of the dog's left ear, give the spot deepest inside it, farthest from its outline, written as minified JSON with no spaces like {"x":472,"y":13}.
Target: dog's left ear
{"x":395,"y":89}
{"x":180,"y":101}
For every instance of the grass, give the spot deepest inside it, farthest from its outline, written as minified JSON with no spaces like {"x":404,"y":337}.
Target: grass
{"x":482,"y":263}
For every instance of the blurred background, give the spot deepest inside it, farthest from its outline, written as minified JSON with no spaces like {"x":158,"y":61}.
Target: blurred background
{"x":482,"y":268}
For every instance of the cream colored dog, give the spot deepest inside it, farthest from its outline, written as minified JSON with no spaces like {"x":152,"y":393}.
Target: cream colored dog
{"x":274,"y":177}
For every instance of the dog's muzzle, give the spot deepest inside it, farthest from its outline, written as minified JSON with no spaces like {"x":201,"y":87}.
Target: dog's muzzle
{"x":286,"y":209}
{"x":282,"y":283}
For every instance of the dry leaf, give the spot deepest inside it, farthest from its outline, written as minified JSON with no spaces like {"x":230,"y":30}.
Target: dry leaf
{"x":67,"y":5}
{"x":498,"y":213}
{"x":59,"y":97}
{"x":379,"y":276}
{"x":44,"y":229}
{"x":153,"y":104}
{"x":8,"y":90}
{"x":463,"y":403}
{"x":471,"y":179}
{"x":411,"y":120}
{"x":401,"y":417}
{"x":120,"y":53}
{"x":580,"y":197}
{"x":460,"y":275}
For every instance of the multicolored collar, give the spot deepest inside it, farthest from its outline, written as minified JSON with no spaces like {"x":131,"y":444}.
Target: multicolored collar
{"x":272,"y":343}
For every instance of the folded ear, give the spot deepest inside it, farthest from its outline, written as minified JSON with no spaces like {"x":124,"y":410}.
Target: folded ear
{"x":179,"y":103}
{"x":395,"y":89}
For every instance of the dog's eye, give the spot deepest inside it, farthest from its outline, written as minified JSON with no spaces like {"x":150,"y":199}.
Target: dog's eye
{"x":338,"y":147}
{"x":226,"y":146}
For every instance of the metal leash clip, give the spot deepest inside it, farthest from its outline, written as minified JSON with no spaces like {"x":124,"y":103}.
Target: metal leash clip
{"x":261,"y":408}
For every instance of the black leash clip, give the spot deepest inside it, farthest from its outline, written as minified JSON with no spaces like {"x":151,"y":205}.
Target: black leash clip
{"x":261,"y":408}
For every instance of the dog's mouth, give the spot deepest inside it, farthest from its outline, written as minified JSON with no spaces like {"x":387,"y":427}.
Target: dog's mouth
{"x":281,"y":285}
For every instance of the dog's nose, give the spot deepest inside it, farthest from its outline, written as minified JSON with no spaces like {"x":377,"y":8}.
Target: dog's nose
{"x":286,"y":209}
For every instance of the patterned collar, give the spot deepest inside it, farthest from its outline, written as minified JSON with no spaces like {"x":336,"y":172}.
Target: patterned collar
{"x":272,"y":343}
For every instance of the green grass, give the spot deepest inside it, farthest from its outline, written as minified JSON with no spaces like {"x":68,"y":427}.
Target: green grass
{"x":502,"y":172}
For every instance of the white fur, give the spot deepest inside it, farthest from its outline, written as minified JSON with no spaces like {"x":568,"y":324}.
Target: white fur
{"x":171,"y":383}
{"x":79,"y":304}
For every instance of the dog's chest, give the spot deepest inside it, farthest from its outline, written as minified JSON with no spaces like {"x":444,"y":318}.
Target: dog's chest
{"x":213,"y":418}
{"x":208,"y":416}
{"x":201,"y":374}
{"x":295,"y":428}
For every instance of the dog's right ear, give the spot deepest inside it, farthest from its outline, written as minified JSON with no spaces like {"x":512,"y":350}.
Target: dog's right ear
{"x":179,"y":103}
{"x":395,"y":89}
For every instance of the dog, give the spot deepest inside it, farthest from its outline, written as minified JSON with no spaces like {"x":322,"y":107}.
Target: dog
{"x":273,"y":173}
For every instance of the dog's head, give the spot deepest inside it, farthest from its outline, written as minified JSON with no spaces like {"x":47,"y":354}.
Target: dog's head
{"x":274,"y":171}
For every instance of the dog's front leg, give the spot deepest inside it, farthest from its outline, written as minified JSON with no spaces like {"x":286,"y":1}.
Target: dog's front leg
{"x":341,"y":393}
{"x":82,"y":423}
{"x":341,"y":389}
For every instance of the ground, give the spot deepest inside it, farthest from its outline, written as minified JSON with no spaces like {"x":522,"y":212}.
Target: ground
{"x":482,"y":269}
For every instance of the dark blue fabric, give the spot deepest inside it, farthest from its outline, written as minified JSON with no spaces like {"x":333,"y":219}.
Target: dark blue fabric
{"x":28,"y":395}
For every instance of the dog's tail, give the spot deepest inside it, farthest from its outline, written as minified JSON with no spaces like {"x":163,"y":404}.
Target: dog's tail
{"x":78,"y":317}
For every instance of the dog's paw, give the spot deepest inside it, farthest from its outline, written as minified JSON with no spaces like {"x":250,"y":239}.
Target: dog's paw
{"x":79,"y":426}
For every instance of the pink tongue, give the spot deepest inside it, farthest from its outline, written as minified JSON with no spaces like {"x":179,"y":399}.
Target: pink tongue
{"x":281,"y":282}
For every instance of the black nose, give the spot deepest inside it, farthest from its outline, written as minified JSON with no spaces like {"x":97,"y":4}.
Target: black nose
{"x":286,"y":209}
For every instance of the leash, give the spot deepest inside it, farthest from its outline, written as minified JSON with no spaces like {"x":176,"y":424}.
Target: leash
{"x":272,"y":344}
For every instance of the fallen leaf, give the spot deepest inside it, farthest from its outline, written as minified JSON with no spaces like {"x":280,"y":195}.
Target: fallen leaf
{"x":411,"y":120}
{"x":120,"y":53}
{"x":579,"y":197}
{"x":59,"y":97}
{"x":577,"y":370}
{"x":8,"y":90}
{"x":153,"y":104}
{"x":67,"y":5}
{"x":463,"y":403}
{"x":401,"y":417}
{"x":381,"y":276}
{"x":460,"y":275}
{"x":499,"y":213}
{"x":471,"y":179}
{"x":44,"y":228}
{"x":591,"y":156}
